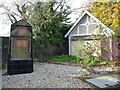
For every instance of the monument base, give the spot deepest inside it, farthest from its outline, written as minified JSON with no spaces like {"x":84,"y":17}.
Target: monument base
{"x":19,"y":67}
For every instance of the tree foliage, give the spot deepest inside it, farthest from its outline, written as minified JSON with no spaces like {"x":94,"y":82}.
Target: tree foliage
{"x":48,"y":20}
{"x":108,"y":13}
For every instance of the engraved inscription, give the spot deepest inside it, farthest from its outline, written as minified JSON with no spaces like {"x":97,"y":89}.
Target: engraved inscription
{"x":21,"y":43}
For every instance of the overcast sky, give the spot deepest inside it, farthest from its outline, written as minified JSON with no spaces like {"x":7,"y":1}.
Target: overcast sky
{"x":5,"y":23}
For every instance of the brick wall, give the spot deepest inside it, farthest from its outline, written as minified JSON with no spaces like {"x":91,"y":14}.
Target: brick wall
{"x":50,"y":51}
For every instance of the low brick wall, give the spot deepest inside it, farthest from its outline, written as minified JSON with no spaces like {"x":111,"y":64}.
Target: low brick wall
{"x":50,"y":51}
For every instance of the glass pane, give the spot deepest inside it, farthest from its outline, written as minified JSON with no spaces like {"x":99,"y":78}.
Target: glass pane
{"x":94,"y":46}
{"x":20,"y":48}
{"x":76,"y":47}
{"x":83,"y":20}
{"x":82,"y":30}
{"x":93,"y":28}
{"x":90,"y":19}
{"x":74,"y":31}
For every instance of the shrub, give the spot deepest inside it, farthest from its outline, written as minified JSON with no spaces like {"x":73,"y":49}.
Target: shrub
{"x":89,"y":61}
{"x":65,"y":58}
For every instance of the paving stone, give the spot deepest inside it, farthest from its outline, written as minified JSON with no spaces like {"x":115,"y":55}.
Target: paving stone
{"x":103,"y":82}
{"x":47,"y":76}
{"x":103,"y":69}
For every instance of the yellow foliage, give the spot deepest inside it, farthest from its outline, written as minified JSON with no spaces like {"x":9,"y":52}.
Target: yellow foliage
{"x":108,"y":13}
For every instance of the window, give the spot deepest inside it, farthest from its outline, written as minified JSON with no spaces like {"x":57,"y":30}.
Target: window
{"x":74,"y":31}
{"x":83,"y":20}
{"x":82,"y":29}
{"x":90,"y":19}
{"x":93,"y":28}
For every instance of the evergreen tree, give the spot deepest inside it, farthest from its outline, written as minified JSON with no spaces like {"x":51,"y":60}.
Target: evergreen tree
{"x":49,"y":22}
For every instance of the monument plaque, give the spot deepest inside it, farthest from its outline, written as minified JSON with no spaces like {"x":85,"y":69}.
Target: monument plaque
{"x":21,"y":43}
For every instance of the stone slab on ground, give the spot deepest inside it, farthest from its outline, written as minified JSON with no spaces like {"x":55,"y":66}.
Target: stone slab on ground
{"x":103,"y":82}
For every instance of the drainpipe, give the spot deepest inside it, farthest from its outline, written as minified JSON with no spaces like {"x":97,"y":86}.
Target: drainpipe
{"x":69,"y":38}
{"x":111,"y":58}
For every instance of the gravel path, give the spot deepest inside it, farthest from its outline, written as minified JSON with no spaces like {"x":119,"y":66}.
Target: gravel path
{"x":47,"y":76}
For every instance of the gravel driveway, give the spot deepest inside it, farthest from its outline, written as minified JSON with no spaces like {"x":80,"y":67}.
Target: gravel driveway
{"x":47,"y":76}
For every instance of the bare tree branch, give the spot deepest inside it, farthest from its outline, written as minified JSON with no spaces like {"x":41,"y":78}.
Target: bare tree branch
{"x":58,"y":6}
{"x":10,"y":18}
{"x":18,"y":8}
{"x":29,"y":2}
{"x":13,"y":17}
